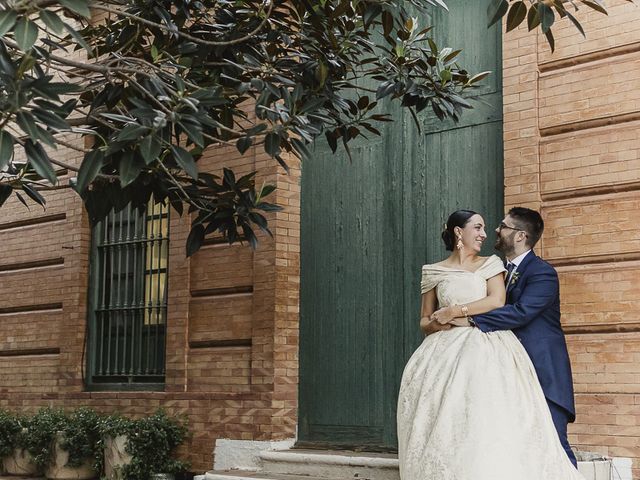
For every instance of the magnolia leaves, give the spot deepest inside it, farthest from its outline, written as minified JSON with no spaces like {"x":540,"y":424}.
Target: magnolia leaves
{"x":540,"y":13}
{"x":164,"y":84}
{"x":21,"y":24}
{"x":25,"y":34}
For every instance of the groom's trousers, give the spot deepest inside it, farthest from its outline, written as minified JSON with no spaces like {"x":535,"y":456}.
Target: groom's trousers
{"x":560,"y":420}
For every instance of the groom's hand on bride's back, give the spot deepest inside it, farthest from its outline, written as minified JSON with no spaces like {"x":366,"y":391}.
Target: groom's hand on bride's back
{"x":429,"y":326}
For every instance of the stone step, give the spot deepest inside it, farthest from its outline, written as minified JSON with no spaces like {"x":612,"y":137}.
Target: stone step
{"x":325,"y":464}
{"x":249,"y":475}
{"x":342,"y":465}
{"x":302,"y":464}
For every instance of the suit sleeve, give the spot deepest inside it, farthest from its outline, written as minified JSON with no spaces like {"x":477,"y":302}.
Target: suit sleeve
{"x":539,"y":293}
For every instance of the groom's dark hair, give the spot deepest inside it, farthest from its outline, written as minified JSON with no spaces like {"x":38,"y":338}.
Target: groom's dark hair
{"x":530,"y":221}
{"x":459,"y":218}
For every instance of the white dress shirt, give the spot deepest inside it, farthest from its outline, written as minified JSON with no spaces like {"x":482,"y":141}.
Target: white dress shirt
{"x":516,"y":261}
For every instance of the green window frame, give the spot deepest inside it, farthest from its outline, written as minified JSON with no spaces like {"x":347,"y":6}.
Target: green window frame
{"x":128,"y":300}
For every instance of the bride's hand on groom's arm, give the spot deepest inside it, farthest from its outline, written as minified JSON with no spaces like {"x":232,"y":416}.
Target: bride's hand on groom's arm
{"x":429,"y":326}
{"x":446,"y":314}
{"x":460,"y":322}
{"x":449,"y":316}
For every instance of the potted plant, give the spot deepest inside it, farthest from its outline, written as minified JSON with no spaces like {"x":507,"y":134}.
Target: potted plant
{"x":15,"y":459}
{"x":65,"y":446}
{"x":114,"y":433}
{"x":150,"y":443}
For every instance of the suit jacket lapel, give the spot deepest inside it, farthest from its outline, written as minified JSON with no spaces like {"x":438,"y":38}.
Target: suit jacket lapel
{"x":521,"y":268}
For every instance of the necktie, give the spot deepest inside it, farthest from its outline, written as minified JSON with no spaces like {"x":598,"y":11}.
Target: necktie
{"x":510,"y":268}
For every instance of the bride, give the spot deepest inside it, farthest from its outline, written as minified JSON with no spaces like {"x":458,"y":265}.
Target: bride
{"x":470,"y":405}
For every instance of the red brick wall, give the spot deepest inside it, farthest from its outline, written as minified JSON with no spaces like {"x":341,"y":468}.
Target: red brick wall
{"x":571,"y":150}
{"x":223,"y":293}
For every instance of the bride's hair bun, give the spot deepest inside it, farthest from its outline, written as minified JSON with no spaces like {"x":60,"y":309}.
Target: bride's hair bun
{"x":447,"y":238}
{"x":459,"y":218}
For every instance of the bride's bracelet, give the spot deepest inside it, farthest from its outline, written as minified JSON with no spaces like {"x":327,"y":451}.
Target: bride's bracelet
{"x":465,"y":311}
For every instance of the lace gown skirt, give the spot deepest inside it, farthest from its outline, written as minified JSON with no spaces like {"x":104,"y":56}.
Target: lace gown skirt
{"x":470,"y":405}
{"x":471,"y":408}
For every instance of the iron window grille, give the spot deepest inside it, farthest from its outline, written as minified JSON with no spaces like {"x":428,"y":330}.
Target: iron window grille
{"x":128,"y":299}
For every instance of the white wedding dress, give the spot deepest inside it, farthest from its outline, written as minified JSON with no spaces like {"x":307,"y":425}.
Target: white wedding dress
{"x":470,"y":404}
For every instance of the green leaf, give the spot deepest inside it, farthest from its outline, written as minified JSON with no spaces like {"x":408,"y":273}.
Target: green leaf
{"x":117,"y":118}
{"x":267,"y":190}
{"x":372,"y":129}
{"x":52,"y":90}
{"x":22,"y":200}
{"x":445,"y":75}
{"x":533,"y":17}
{"x":185,"y":161}
{"x":272,"y":144}
{"x":332,"y":140}
{"x":449,"y":57}
{"x":247,"y":232}
{"x":195,"y":239}
{"x":194,"y":132}
{"x":7,"y":21}
{"x":130,"y":167}
{"x":370,"y":14}
{"x":384,"y":89}
{"x":34,"y":195}
{"x":576,"y":23}
{"x":150,"y":148}
{"x":595,"y":6}
{"x":439,"y":3}
{"x":50,"y":119}
{"x":28,"y":124}
{"x":547,"y":17}
{"x":301,"y":148}
{"x":5,"y":193}
{"x":243,"y":144}
{"x":229,"y":177}
{"x":432,"y":46}
{"x":322,"y":72}
{"x":551,"y":40}
{"x":26,"y":34}
{"x":52,"y":21}
{"x":81,"y":7}
{"x":133,"y":131}
{"x":496,"y":10}
{"x":387,"y":23}
{"x":89,"y":169}
{"x":517,"y":14}
{"x":39,"y":160}
{"x":478,"y":77}
{"x":6,"y":149}
{"x":78,"y":38}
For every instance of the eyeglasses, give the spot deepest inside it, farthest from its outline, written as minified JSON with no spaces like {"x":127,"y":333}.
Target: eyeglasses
{"x":502,"y":225}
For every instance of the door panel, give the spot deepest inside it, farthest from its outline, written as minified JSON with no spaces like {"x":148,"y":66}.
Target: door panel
{"x":367,"y":227}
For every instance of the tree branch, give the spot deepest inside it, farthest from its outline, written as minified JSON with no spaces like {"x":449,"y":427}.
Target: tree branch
{"x":186,"y":35}
{"x":63,"y":165}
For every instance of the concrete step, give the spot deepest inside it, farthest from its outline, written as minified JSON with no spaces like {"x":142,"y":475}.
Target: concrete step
{"x":247,"y":475}
{"x":325,"y":464}
{"x":342,"y":465}
{"x":301,"y":464}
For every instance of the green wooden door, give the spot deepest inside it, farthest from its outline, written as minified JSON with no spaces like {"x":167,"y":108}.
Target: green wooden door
{"x":367,"y":227}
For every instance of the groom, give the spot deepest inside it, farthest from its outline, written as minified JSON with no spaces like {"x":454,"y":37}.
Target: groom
{"x":532,"y":312}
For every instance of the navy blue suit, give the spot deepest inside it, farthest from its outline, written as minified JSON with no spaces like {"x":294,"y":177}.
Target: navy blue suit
{"x":532,"y":312}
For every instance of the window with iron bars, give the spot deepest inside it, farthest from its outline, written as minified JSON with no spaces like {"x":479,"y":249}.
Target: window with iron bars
{"x":128,"y":300}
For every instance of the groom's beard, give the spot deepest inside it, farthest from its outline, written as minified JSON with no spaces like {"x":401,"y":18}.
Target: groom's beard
{"x":504,"y":245}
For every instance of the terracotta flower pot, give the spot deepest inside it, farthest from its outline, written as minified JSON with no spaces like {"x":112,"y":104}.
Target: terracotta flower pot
{"x":20,"y":463}
{"x":115,"y":457}
{"x":58,"y":470}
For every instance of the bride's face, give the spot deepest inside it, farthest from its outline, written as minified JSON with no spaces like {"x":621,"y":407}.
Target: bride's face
{"x":473,"y":234}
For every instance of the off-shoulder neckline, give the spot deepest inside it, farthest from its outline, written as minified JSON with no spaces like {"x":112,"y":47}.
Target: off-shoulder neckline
{"x":434,"y":265}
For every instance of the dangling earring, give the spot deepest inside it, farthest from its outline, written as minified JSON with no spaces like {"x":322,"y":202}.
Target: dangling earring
{"x":459,"y":245}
